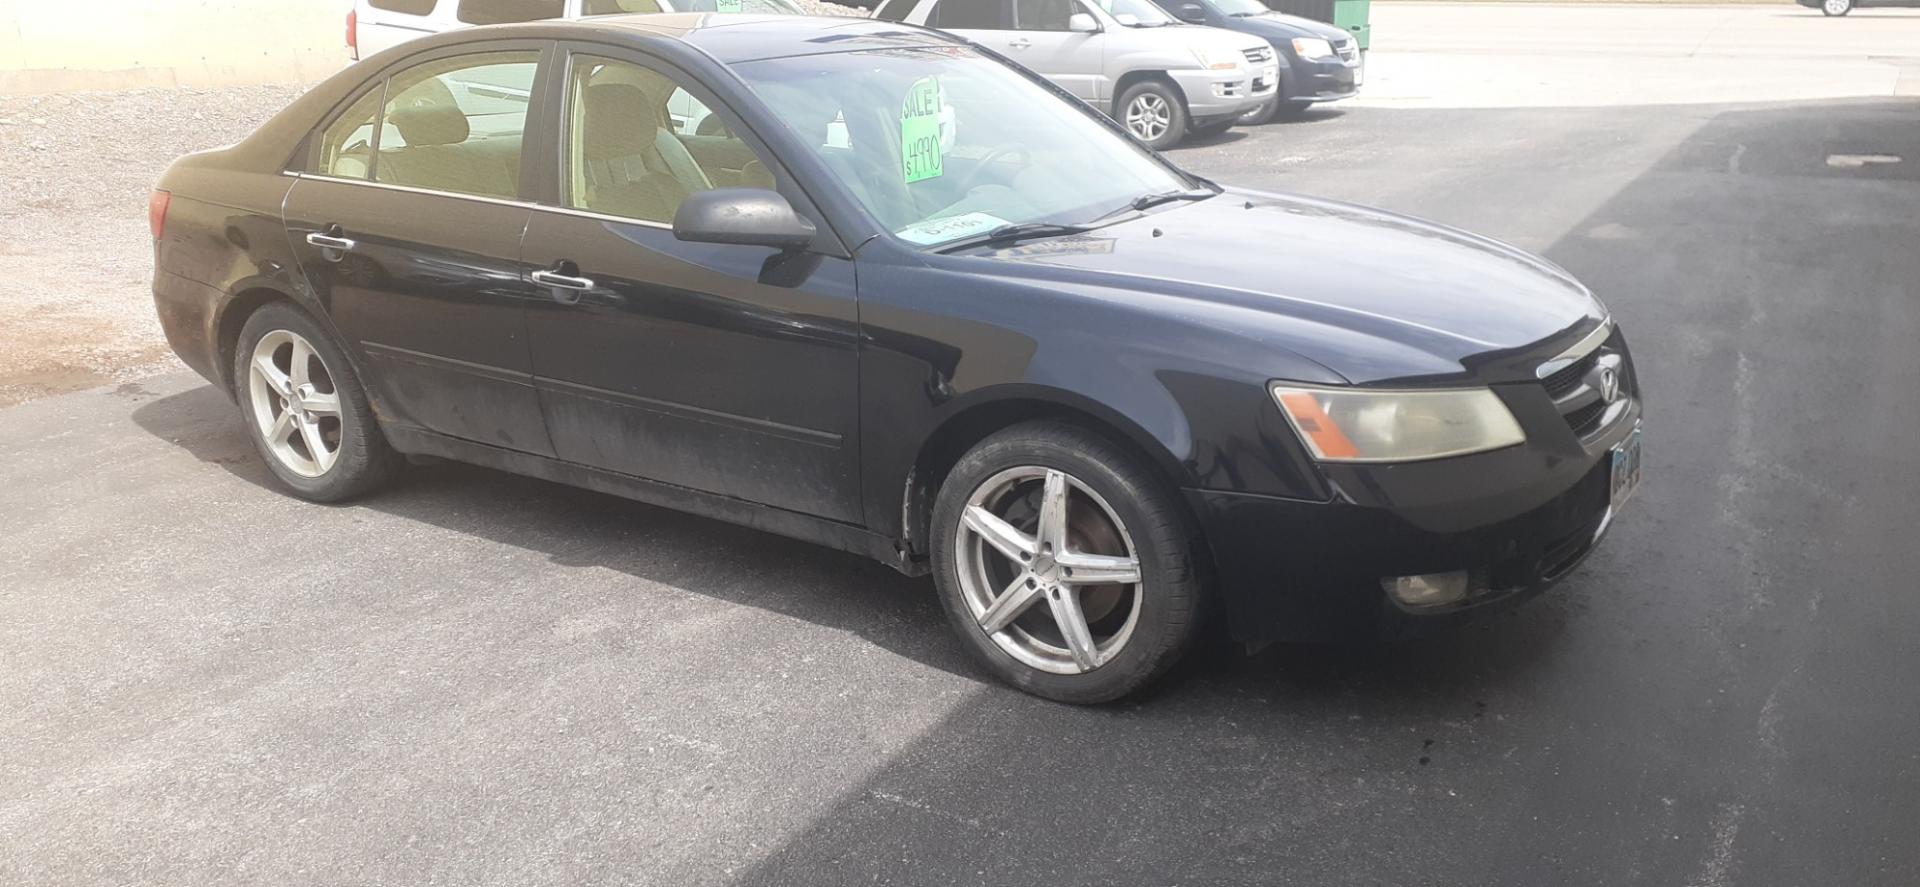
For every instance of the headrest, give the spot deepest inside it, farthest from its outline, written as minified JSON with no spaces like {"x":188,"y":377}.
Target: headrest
{"x":620,"y":122}
{"x":431,"y":125}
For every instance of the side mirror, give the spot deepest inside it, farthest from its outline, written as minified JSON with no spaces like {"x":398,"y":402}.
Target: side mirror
{"x":1083,"y":23}
{"x":1191,"y":12}
{"x":743,"y":216}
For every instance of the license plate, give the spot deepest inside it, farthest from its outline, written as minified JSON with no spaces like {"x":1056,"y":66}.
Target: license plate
{"x":1626,"y":469}
{"x":1359,"y":74}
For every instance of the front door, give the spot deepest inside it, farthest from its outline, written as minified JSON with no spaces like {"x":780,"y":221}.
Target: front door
{"x":407,"y":224}
{"x":727,"y":369}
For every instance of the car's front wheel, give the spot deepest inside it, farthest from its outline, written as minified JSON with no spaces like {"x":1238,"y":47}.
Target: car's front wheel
{"x":1261,"y":114}
{"x":1836,"y":7}
{"x":305,"y":409}
{"x":1153,"y":113}
{"x":1067,"y":567}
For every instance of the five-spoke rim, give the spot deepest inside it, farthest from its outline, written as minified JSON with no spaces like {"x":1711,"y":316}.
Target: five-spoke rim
{"x":295,"y":404}
{"x":1838,"y":6}
{"x":1148,"y":116}
{"x":1030,"y":535}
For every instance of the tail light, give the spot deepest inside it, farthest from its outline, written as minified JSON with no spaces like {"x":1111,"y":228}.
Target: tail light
{"x":157,"y":213}
{"x":353,"y":33}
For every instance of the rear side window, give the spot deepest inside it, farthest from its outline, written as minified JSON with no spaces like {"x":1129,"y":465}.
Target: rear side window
{"x":406,"y":7}
{"x":619,"y":7}
{"x":346,"y":147}
{"x":495,"y":12}
{"x":895,"y":10}
{"x":1043,"y":15}
{"x":979,"y":15}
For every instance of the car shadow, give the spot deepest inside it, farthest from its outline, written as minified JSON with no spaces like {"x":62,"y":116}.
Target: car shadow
{"x":575,"y":527}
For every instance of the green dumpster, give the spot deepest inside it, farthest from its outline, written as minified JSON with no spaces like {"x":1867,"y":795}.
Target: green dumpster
{"x":1349,"y":14}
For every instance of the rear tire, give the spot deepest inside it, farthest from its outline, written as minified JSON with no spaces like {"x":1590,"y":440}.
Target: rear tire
{"x":1153,"y":112}
{"x":1082,"y":602}
{"x":305,"y":409}
{"x":1836,"y":7}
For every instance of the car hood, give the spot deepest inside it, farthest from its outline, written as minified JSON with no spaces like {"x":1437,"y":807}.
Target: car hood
{"x":1370,"y":295}
{"x":1274,"y":24}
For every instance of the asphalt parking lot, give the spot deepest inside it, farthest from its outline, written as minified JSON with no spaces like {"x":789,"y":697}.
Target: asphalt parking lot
{"x":480,"y":679}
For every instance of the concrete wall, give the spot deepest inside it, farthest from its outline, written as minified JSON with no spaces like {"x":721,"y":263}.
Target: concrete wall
{"x":62,"y":45}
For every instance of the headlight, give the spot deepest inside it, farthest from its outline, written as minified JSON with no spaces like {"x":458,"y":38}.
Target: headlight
{"x":1217,"y":59}
{"x":1312,"y":48}
{"x":1360,"y":425}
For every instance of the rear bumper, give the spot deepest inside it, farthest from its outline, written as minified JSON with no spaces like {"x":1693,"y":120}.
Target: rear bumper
{"x":1291,"y":570}
{"x":185,"y":308}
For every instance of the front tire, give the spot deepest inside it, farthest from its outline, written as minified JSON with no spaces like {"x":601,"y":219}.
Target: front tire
{"x":305,"y":409}
{"x":1068,"y":568}
{"x":1153,"y":113}
{"x":1213,"y":130}
{"x":1262,"y":114}
{"x":1836,"y":7}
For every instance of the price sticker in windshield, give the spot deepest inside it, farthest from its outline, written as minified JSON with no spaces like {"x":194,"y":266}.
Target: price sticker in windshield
{"x":920,"y":131}
{"x":729,"y":5}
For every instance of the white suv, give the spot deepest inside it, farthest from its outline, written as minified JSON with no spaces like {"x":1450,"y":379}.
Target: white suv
{"x":374,"y":25}
{"x":1160,"y":78}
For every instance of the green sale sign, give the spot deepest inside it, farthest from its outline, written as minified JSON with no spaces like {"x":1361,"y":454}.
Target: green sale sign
{"x":920,"y":130}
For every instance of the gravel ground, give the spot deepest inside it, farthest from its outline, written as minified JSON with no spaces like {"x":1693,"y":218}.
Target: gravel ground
{"x":75,"y":256}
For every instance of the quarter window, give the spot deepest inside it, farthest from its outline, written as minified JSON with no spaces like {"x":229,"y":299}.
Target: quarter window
{"x":979,"y":15}
{"x":638,"y":143}
{"x":457,"y":124}
{"x":495,"y":12}
{"x":405,"y":7}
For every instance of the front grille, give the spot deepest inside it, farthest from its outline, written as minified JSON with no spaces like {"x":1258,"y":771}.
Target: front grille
{"x":1586,"y":420}
{"x":1261,"y":55}
{"x":1562,"y":383}
{"x":1348,"y":51}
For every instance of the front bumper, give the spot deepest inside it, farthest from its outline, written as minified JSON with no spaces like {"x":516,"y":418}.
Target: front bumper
{"x":1212,"y":95}
{"x":1324,"y":81}
{"x":1291,"y":570}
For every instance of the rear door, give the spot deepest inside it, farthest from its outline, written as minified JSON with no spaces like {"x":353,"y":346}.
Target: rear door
{"x":727,"y":369}
{"x":407,"y":224}
{"x":1072,"y":59}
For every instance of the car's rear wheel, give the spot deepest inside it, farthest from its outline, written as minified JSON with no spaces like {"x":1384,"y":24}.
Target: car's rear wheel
{"x":1836,"y":7}
{"x":1067,"y":567}
{"x":305,"y":409}
{"x":1153,"y":113}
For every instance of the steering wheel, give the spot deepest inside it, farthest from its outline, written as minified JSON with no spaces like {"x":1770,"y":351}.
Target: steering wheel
{"x":993,"y":157}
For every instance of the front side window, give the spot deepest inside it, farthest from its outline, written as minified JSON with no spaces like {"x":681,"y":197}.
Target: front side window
{"x":979,"y":15}
{"x":407,"y":7}
{"x":1043,"y":15}
{"x":1136,"y":13}
{"x":943,"y":143}
{"x":637,"y":143}
{"x":496,"y":12}
{"x":457,"y":124}
{"x":895,"y":10}
{"x":619,"y":7}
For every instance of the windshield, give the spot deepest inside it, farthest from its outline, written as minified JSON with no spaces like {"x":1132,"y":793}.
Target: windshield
{"x":1241,"y":8}
{"x":1136,"y":13}
{"x":941,"y":143}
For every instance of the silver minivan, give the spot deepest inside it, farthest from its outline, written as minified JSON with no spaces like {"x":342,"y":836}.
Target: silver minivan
{"x":1159,"y":77}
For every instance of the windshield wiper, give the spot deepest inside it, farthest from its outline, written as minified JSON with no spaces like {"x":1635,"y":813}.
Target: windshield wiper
{"x":1146,"y":201}
{"x":1011,"y":233}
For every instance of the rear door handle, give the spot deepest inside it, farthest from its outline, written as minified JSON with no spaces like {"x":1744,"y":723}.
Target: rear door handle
{"x":332,"y":247}
{"x":1019,"y":43}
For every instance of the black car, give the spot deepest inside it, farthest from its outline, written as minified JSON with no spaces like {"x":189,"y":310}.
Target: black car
{"x":1318,"y":62}
{"x":862,"y":284}
{"x":1842,"y":7}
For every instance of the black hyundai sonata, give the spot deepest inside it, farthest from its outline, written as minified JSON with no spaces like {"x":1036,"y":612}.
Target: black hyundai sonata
{"x":867,"y":285}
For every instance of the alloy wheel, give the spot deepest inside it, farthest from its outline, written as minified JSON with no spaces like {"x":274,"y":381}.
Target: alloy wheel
{"x":295,"y":404}
{"x":1149,"y":117}
{"x":1030,"y":535}
{"x":1836,"y":7}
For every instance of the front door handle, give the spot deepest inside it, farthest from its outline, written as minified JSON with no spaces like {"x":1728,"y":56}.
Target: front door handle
{"x":566,"y":287}
{"x":333,"y":247}
{"x":1019,"y":43}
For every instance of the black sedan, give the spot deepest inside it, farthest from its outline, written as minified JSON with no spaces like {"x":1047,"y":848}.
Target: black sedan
{"x":1318,"y":62}
{"x":863,"y":284}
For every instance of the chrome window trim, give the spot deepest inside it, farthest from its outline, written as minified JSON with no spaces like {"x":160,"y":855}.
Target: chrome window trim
{"x":1587,"y":345}
{"x":499,"y":201}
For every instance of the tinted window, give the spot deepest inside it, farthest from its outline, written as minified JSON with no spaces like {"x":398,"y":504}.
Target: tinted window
{"x":409,"y":7}
{"x":456,"y":124}
{"x":346,"y":147}
{"x":494,"y":12}
{"x":895,"y":10}
{"x":637,"y":144}
{"x":985,"y":15}
{"x":1043,"y":15}
{"x":619,"y":7}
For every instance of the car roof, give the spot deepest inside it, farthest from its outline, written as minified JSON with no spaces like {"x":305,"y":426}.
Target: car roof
{"x":733,"y":37}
